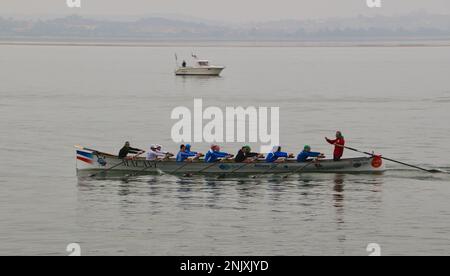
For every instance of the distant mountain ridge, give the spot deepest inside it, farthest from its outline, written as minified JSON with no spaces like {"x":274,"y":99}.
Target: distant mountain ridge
{"x":413,"y":26}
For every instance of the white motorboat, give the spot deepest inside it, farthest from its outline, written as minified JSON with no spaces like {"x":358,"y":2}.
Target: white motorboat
{"x":201,"y":67}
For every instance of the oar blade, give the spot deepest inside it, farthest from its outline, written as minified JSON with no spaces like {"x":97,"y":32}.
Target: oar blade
{"x":436,"y":171}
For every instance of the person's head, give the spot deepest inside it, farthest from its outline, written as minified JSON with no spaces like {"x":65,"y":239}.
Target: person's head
{"x":246,"y":149}
{"x":182,"y":148}
{"x":339,"y":134}
{"x":307,"y":148}
{"x":188,"y":147}
{"x":127,"y":144}
{"x":158,"y":147}
{"x":215,"y":147}
{"x":153,"y":147}
{"x":276,"y":149}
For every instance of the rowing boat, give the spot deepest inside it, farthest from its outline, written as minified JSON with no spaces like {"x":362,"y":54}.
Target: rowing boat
{"x":89,"y":161}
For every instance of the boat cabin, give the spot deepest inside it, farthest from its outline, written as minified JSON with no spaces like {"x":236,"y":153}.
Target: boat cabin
{"x":203,"y":62}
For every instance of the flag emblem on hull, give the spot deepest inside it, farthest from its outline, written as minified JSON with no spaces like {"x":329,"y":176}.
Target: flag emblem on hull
{"x":85,"y":156}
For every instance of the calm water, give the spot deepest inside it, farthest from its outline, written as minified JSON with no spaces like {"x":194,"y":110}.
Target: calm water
{"x":392,"y":100}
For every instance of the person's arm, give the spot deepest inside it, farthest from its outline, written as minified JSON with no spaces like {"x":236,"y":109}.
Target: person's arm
{"x":185,"y":155}
{"x":314,"y":154}
{"x":135,"y":150}
{"x":281,"y":154}
{"x":190,"y":154}
{"x":160,"y":154}
{"x":331,"y":141}
{"x":221,"y":154}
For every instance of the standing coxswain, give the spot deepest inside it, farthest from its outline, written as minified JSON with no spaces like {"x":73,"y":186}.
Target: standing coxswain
{"x":339,"y":144}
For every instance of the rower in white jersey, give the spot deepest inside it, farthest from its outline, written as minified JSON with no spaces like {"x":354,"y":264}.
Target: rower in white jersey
{"x":156,"y":153}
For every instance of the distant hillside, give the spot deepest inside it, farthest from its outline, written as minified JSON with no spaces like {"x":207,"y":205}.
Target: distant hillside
{"x":414,"y":26}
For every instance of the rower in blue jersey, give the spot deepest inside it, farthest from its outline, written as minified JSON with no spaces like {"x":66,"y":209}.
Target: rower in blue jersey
{"x":306,"y":154}
{"x":183,"y":154}
{"x":273,"y":157}
{"x":188,"y":149}
{"x":214,"y":154}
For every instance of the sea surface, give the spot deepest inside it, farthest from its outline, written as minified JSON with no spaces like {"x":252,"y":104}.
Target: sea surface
{"x":391,"y":100}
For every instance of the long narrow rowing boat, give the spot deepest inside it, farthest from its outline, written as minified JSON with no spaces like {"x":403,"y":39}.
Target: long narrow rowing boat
{"x":92,"y":161}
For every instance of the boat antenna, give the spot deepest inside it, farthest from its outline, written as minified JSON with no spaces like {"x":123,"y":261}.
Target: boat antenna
{"x":176,"y":60}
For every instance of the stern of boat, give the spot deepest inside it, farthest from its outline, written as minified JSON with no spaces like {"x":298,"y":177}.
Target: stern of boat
{"x":366,"y":165}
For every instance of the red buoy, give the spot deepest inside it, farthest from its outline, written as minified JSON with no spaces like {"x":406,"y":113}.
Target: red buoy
{"x":377,"y":161}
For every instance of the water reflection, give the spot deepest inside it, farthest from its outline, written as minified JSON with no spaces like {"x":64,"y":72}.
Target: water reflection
{"x":154,"y":188}
{"x":338,"y":198}
{"x":302,"y":193}
{"x":214,"y":192}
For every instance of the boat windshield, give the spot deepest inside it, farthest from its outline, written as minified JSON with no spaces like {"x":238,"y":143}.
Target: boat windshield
{"x":203,"y":63}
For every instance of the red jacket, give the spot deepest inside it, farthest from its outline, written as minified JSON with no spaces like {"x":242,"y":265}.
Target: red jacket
{"x":338,"y":151}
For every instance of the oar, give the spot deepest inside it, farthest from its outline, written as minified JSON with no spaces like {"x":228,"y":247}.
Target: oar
{"x":268,"y":170}
{"x":300,"y":169}
{"x":210,"y":166}
{"x":200,"y":171}
{"x":154,"y":162}
{"x":180,"y":167}
{"x":392,"y":160}
{"x":95,"y":174}
{"x":115,"y":166}
{"x":146,"y":168}
{"x":254,"y":160}
{"x":233,"y":171}
{"x":240,"y":167}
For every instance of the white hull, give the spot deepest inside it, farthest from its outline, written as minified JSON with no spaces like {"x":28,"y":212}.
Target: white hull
{"x":98,"y":162}
{"x":199,"y":71}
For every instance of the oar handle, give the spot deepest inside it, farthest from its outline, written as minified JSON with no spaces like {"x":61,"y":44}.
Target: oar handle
{"x":139,"y":154}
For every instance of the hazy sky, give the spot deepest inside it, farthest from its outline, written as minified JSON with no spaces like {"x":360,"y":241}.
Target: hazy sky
{"x":225,"y":10}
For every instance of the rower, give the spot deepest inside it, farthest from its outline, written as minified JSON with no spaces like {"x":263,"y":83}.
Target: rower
{"x":307,"y":153}
{"x":156,"y":153}
{"x":214,"y":154}
{"x":339,"y":144}
{"x":183,"y":64}
{"x":245,"y":154}
{"x":127,"y":149}
{"x":273,"y":157}
{"x":183,"y":154}
{"x":188,"y":149}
